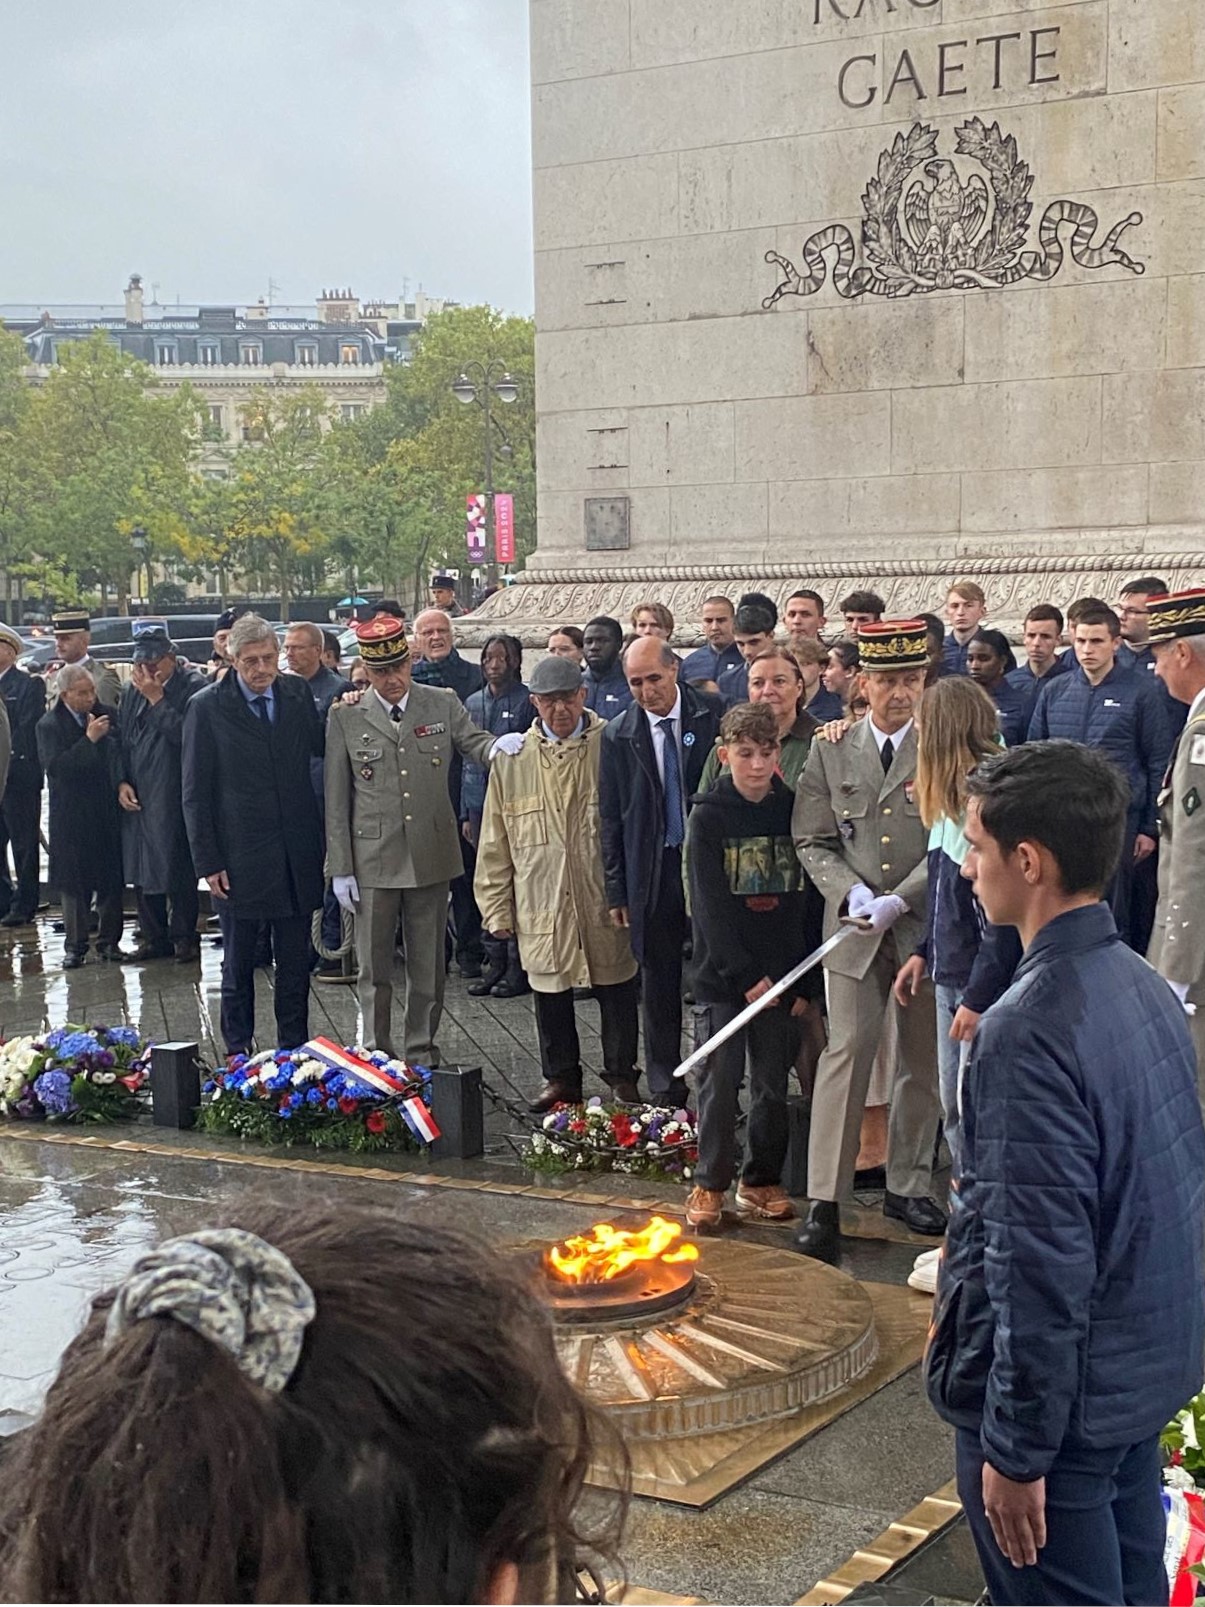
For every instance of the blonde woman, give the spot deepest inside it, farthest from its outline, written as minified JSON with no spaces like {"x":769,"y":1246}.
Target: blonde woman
{"x":971,"y":962}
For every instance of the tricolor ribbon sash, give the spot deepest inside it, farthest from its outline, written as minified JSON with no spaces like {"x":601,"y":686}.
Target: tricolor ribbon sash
{"x":363,"y":1070}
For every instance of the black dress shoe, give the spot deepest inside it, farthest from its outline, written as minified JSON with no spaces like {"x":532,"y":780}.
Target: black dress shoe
{"x":921,"y":1215}
{"x":819,"y":1234}
{"x":554,"y":1093}
{"x":16,"y":918}
{"x":871,"y":1177}
{"x":113,"y":953}
{"x":469,"y":969}
{"x":483,"y":985}
{"x":510,"y":988}
{"x":72,"y":961}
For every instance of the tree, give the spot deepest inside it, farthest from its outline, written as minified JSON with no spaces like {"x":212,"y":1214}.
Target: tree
{"x":113,"y":457}
{"x":276,"y":500}
{"x":398,"y":478}
{"x":22,"y":480}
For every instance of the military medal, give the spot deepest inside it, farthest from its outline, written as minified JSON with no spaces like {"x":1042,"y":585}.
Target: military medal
{"x":1192,"y":802}
{"x":366,"y":772}
{"x":431,"y":730}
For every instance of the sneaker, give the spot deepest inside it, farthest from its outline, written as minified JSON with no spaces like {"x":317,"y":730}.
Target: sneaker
{"x":705,"y":1209}
{"x":771,"y":1203}
{"x":924,"y":1276}
{"x":927,"y":1258}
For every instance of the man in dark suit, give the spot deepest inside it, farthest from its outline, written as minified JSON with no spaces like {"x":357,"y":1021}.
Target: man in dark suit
{"x":20,"y":812}
{"x":652,"y":758}
{"x":150,"y":724}
{"x":253,"y":827}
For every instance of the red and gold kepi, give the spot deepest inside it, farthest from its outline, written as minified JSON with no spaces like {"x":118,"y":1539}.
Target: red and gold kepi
{"x":1176,"y":613}
{"x":383,"y":642}
{"x":893,"y":644}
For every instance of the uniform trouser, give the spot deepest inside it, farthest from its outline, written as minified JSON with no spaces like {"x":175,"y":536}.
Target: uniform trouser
{"x":20,"y":818}
{"x":560,"y":1051}
{"x":857,"y":1010}
{"x":772,"y":1041}
{"x":241,"y":939}
{"x":157,"y":926}
{"x":1105,"y":1529}
{"x":424,"y":916}
{"x":665,"y":930}
{"x":77,"y":912}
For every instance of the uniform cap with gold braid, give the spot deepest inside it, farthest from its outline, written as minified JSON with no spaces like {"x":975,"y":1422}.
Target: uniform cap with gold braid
{"x":71,"y":619}
{"x":383,"y":642}
{"x":893,"y":644}
{"x":1176,"y":613}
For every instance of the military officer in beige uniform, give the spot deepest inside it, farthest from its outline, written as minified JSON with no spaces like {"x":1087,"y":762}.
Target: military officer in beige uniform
{"x":860,"y":838}
{"x":72,"y":639}
{"x":1177,"y":948}
{"x":392,"y":839}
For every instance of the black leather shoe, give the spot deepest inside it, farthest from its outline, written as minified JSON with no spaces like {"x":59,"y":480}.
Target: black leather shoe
{"x":921,"y":1215}
{"x":113,"y":953}
{"x":819,"y":1234}
{"x":554,"y":1093}
{"x":482,"y":986}
{"x":15,"y":918}
{"x":72,"y":961}
{"x":469,"y":969}
{"x":511,"y":988}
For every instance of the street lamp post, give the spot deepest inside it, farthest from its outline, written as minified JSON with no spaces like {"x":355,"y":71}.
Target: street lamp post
{"x":477,"y":382}
{"x":140,"y":542}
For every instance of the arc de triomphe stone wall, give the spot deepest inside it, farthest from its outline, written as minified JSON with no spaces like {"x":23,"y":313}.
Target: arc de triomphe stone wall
{"x":866,"y":292}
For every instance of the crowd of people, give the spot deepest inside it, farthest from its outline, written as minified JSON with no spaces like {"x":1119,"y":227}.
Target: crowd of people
{"x":985,"y":850}
{"x":367,"y":788}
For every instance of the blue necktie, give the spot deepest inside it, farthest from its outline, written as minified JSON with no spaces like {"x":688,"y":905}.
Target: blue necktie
{"x":674,"y":826}
{"x":260,"y":705}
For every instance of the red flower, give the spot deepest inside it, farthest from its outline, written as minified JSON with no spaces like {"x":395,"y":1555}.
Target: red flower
{"x":347,"y":1107}
{"x":577,"y":1127}
{"x":375,"y":1121}
{"x":672,"y":1138}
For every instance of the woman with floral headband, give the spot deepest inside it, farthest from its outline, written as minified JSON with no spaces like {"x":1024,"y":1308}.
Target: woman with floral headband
{"x":259,"y":1414}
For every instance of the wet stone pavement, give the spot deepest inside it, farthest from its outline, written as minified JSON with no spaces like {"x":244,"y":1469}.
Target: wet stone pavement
{"x":74,"y":1216}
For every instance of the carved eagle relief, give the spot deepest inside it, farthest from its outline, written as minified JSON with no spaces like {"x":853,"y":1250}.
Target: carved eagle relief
{"x":926,"y":227}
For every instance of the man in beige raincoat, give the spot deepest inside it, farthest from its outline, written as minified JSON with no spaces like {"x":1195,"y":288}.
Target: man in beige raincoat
{"x":540,"y":878}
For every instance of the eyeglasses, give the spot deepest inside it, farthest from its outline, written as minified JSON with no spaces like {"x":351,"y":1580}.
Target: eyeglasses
{"x":1134,"y":613}
{"x":564,"y":699}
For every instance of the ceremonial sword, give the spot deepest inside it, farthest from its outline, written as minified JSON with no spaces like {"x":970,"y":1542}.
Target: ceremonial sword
{"x":849,"y":924}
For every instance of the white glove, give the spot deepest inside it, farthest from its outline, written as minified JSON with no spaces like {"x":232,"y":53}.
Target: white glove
{"x":1180,"y":989}
{"x":347,"y":891}
{"x":884,"y":912}
{"x":510,"y":742}
{"x":860,"y":897}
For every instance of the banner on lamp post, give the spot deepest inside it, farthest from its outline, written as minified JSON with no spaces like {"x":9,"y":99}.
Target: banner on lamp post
{"x":504,"y":527}
{"x":474,"y":527}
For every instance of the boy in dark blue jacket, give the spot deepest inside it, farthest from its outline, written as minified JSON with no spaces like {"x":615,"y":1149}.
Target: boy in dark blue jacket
{"x":1069,"y":1324}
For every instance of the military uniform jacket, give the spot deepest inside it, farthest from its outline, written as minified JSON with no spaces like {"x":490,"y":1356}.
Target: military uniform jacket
{"x":854,"y":824}
{"x":25,"y":703}
{"x":389,"y":819}
{"x":1178,"y":945}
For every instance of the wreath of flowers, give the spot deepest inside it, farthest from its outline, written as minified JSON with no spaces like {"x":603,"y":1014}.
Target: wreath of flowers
{"x":639,"y":1140}
{"x":74,"y":1074}
{"x":288,"y":1097}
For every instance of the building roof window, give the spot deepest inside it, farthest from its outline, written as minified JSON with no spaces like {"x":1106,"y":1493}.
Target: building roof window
{"x":209,"y":353}
{"x":250,"y":353}
{"x":305,"y":353}
{"x":166,"y":353}
{"x":349,"y":352}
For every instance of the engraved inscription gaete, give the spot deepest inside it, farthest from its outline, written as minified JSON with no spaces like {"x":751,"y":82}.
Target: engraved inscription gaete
{"x":930,"y":226}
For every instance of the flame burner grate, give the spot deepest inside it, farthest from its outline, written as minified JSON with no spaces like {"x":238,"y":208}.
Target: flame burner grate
{"x":645,"y":1290}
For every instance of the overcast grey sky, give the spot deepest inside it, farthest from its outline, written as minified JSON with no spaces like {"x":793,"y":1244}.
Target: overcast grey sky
{"x":213,"y":144}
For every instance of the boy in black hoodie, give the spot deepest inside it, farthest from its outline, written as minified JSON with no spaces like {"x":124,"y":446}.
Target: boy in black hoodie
{"x":747,"y":901}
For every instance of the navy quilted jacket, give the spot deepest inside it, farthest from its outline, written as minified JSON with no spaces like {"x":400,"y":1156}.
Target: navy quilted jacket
{"x":1124,"y":717}
{"x":1069,"y":1301}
